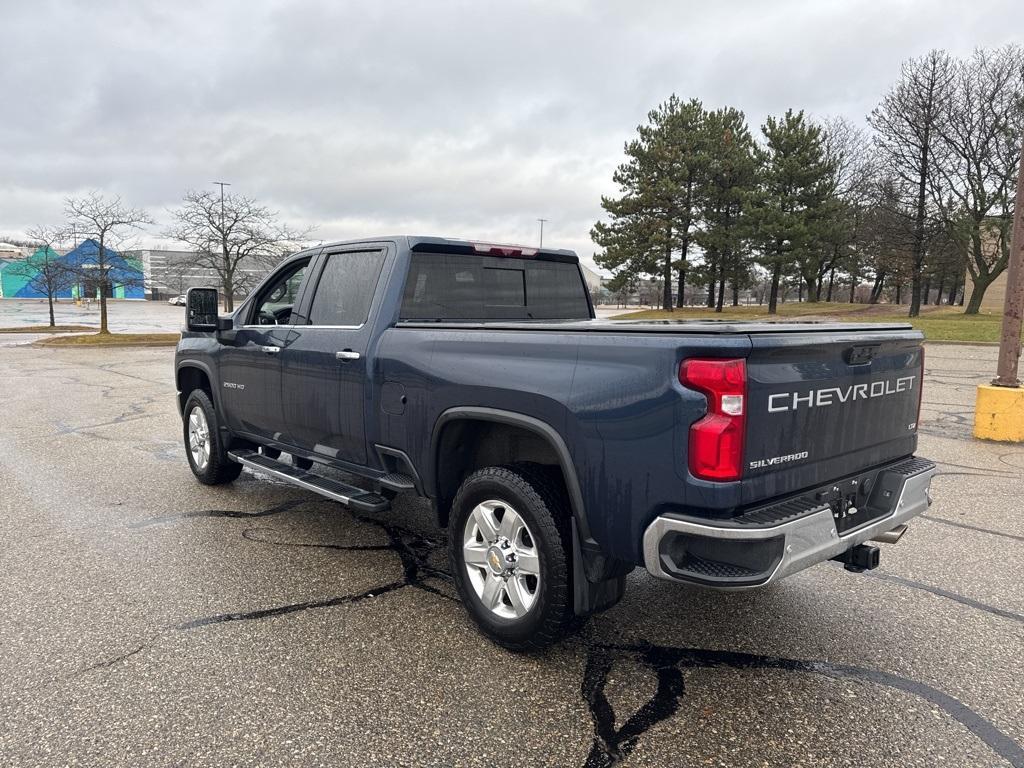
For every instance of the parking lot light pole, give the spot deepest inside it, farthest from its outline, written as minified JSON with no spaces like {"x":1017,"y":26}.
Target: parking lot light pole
{"x":228,"y":300}
{"x":1013,"y":309}
{"x":999,"y":406}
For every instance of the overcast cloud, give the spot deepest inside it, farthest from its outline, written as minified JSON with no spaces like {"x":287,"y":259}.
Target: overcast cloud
{"x":465,"y":119}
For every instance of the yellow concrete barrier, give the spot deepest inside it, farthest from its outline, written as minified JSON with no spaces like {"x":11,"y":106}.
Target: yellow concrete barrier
{"x":999,"y":413}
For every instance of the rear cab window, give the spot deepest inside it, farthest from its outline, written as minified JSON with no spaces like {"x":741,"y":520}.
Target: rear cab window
{"x":443,"y":286}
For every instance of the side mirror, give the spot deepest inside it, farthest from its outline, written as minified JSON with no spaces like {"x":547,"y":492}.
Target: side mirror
{"x":201,"y":305}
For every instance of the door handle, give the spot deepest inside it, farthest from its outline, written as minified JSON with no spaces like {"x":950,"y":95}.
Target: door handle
{"x":346,"y":354}
{"x":270,"y":350}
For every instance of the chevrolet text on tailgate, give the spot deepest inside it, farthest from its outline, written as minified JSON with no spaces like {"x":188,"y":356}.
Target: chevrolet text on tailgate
{"x":559,"y":450}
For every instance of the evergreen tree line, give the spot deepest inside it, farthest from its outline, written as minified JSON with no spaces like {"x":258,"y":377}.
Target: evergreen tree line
{"x":899,"y":209}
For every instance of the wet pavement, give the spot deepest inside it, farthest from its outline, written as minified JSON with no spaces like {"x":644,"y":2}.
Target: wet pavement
{"x":128,"y":316}
{"x":149,"y":620}
{"x":123,"y":315}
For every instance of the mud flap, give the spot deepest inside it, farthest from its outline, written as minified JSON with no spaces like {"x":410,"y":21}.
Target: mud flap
{"x":599,"y":587}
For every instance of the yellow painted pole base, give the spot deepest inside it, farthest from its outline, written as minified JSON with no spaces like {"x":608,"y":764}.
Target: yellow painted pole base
{"x":999,"y":414}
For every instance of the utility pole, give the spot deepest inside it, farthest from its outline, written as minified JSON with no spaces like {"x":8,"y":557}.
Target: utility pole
{"x":541,"y":232}
{"x":229,"y":301}
{"x":1013,"y":308}
{"x":221,"y":184}
{"x":999,"y":406}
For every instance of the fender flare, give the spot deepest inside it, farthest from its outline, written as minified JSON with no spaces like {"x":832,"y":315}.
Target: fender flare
{"x":200,"y":365}
{"x":542,"y":428}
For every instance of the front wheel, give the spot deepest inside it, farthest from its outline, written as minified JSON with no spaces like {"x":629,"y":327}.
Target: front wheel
{"x":508,"y":544}
{"x":206,"y":453}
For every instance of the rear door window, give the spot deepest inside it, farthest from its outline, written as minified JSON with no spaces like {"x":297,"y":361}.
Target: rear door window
{"x":345,"y":288}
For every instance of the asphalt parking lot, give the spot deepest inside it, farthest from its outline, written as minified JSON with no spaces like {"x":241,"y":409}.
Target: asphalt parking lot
{"x":149,"y":620}
{"x":125,"y":316}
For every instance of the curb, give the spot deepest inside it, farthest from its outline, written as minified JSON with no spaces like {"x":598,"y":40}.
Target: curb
{"x":953,"y":343}
{"x":103,"y":346}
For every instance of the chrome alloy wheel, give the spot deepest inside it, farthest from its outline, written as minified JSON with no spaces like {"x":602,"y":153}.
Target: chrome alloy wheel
{"x":501,"y":559}
{"x":199,"y":438}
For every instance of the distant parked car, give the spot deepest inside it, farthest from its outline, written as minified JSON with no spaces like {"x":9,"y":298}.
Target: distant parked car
{"x":177,"y":301}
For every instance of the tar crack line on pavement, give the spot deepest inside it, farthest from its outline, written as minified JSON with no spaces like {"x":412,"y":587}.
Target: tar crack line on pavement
{"x":610,"y":745}
{"x":940,"y":592}
{"x":967,"y":527}
{"x":277,"y":509}
{"x":412,"y":549}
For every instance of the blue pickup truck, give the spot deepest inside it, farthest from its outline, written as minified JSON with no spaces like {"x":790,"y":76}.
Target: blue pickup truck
{"x":559,"y":450}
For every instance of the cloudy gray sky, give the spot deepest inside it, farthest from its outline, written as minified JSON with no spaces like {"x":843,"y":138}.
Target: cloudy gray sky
{"x":466,"y":119}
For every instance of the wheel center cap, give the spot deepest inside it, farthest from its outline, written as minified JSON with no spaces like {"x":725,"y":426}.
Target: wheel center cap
{"x":500,"y":560}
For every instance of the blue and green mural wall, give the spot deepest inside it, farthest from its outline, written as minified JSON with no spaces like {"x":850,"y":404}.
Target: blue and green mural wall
{"x":15,"y":276}
{"x":124,"y":274}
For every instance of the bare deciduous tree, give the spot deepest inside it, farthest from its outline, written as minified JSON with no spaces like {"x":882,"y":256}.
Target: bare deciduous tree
{"x":908,"y":124}
{"x":231,"y":235}
{"x":887,"y":234}
{"x":849,"y":152}
{"x":977,"y":160}
{"x":108,"y":222}
{"x":45,"y":271}
{"x":178,"y":270}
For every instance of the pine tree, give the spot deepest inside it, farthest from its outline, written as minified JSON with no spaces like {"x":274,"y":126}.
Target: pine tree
{"x":725,"y":200}
{"x":790,"y":208}
{"x":652,"y":218}
{"x":686,"y":132}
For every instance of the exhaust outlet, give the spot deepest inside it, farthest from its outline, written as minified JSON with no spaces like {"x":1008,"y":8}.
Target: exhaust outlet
{"x":891,"y":537}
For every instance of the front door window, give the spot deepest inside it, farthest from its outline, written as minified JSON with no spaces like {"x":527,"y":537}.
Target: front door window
{"x":277,"y":301}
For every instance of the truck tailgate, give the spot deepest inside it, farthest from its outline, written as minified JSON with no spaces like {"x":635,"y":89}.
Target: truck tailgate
{"x":820,"y":404}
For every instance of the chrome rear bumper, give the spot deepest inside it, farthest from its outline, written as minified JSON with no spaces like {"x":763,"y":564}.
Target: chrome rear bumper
{"x":725,"y":555}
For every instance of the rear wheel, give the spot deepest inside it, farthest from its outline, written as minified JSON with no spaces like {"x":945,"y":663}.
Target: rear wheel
{"x":509,"y":548}
{"x":206,"y":453}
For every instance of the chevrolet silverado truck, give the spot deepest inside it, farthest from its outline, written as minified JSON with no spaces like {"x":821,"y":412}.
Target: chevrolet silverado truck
{"x":559,"y":450}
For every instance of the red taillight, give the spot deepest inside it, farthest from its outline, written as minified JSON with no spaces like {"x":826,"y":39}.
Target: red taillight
{"x":716,"y":440}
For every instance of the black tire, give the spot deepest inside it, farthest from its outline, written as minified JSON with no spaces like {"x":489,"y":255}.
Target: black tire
{"x":540,"y":501}
{"x":219,"y":469}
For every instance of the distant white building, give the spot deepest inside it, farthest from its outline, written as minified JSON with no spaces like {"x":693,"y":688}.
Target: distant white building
{"x":171,"y":273}
{"x":8,"y":255}
{"x":594,"y":280}
{"x":9,"y":252}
